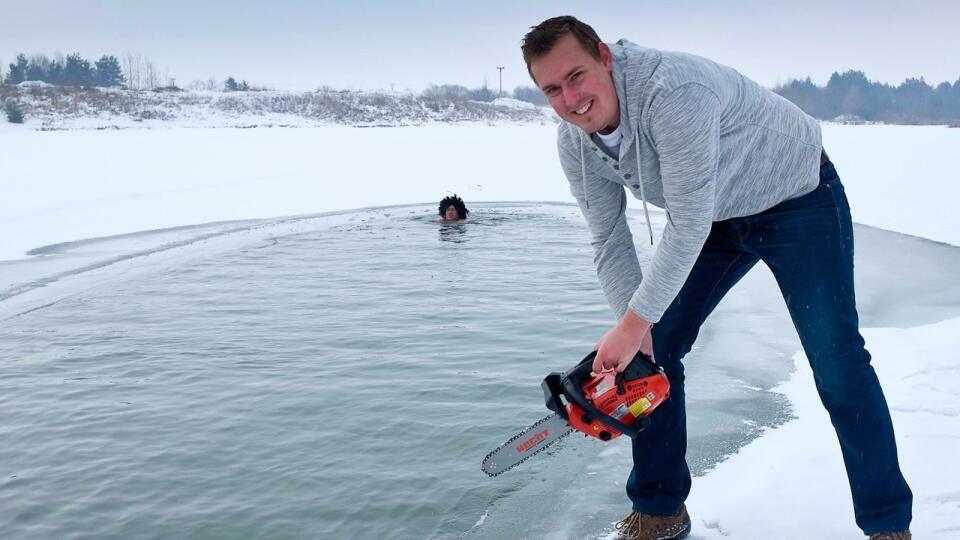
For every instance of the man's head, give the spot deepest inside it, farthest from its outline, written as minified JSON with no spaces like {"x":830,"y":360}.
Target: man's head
{"x":573,"y":68}
{"x":452,"y":208}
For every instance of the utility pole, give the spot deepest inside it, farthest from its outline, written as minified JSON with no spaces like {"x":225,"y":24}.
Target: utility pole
{"x":500,"y":69}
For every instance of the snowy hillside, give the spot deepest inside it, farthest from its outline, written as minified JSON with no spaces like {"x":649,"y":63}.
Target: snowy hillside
{"x":47,"y":107}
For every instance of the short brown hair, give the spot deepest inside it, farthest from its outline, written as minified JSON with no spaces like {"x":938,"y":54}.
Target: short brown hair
{"x":542,"y":37}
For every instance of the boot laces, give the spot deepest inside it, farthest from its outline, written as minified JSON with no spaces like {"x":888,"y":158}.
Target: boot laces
{"x":630,"y":525}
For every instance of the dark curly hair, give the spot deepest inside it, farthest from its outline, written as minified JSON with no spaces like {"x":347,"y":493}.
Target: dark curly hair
{"x":457,"y":202}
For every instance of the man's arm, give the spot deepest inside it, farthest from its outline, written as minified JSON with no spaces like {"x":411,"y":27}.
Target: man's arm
{"x":685,"y":129}
{"x":604,"y":211}
{"x":614,"y":255}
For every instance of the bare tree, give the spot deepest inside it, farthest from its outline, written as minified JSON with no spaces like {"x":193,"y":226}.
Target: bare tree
{"x":131,"y":66}
{"x":453,"y":92}
{"x":141,"y":73}
{"x":151,"y":78}
{"x":213,"y":84}
{"x":530,"y":95}
{"x":127,"y":66}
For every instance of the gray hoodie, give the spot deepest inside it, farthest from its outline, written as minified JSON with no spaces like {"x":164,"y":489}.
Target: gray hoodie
{"x":712,"y":145}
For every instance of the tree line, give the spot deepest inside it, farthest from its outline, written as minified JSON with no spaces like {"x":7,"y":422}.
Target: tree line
{"x":74,"y":70}
{"x":852,"y":96}
{"x":131,"y":71}
{"x":456,"y":92}
{"x":848,"y":96}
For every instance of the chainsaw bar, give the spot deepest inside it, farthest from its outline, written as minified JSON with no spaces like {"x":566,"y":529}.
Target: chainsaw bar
{"x":528,"y":442}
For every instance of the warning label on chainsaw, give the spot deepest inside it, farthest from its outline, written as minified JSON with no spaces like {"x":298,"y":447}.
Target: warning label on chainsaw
{"x":619,"y":412}
{"x":639,"y":406}
{"x":602,"y":388}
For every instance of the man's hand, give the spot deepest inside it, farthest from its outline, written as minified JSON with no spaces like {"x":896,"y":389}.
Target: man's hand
{"x":618,"y":346}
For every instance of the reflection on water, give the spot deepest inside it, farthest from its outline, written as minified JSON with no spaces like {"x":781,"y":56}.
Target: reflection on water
{"x":453,"y":232}
{"x":457,"y":231}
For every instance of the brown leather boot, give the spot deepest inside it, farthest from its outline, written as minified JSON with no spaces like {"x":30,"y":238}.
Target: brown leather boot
{"x":902,"y":535}
{"x":639,"y":526}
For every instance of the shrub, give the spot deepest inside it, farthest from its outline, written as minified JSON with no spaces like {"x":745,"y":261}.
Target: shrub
{"x":14,"y":114}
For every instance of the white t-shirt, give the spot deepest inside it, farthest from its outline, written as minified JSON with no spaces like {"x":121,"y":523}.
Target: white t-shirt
{"x":611,"y":141}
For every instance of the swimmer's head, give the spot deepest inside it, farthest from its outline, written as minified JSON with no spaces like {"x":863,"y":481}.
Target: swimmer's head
{"x":452,"y":208}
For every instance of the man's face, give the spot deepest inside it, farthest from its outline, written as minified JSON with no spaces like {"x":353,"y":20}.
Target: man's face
{"x":578,"y":86}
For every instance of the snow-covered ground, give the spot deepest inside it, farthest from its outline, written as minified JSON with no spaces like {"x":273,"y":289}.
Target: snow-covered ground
{"x":48,"y":107}
{"x":791,"y":484}
{"x":68,"y":185}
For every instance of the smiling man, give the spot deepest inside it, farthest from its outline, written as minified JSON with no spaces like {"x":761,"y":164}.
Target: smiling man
{"x":742,"y":176}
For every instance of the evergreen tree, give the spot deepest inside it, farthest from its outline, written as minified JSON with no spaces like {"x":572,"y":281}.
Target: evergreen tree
{"x":18,"y":71}
{"x":14,"y":114}
{"x":38,"y":69}
{"x":230,"y":85}
{"x":954,"y":101}
{"x":55,"y":72}
{"x":916,"y":101}
{"x":848,"y":94}
{"x":77,"y":71}
{"x":108,"y":72}
{"x":804,"y":94}
{"x":944,"y":103}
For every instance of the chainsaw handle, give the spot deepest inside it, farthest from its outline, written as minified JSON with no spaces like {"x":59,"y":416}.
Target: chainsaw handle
{"x":641,"y":366}
{"x":553,"y":387}
{"x":552,"y":392}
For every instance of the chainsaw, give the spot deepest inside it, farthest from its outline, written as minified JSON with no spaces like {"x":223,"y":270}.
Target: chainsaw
{"x":602,"y":406}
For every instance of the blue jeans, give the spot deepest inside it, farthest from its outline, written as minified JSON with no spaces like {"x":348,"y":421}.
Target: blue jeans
{"x":807,"y":243}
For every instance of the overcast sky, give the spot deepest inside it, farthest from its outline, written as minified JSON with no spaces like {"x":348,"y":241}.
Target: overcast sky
{"x":293,"y":44}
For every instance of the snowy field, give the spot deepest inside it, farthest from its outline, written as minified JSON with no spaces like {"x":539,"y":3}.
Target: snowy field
{"x":70,"y":185}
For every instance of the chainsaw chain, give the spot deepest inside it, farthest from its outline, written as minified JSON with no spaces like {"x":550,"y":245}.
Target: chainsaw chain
{"x":518,"y":436}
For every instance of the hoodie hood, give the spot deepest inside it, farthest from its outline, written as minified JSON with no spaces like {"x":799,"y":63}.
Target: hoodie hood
{"x":633,"y":67}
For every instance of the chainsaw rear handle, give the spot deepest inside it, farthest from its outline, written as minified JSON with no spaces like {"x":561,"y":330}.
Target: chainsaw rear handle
{"x":570,"y":386}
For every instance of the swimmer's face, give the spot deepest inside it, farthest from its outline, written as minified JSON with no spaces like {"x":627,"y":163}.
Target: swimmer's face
{"x":451,"y":214}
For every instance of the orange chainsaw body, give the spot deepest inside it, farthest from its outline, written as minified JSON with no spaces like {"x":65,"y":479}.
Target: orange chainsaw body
{"x":632,"y":400}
